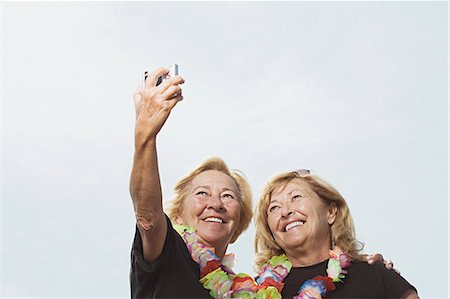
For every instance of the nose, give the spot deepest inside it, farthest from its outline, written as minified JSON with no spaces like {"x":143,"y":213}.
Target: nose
{"x":286,"y":212}
{"x":215,"y":203}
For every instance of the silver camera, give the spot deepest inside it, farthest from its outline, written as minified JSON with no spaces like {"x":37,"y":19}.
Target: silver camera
{"x":173,"y":71}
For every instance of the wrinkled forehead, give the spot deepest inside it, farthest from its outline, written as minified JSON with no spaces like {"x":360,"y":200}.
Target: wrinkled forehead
{"x":288,"y":186}
{"x":214,"y":179}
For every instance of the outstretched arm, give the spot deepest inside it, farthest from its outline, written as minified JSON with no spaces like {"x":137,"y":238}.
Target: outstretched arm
{"x":153,"y":105}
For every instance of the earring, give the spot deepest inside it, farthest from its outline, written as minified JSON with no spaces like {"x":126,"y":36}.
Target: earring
{"x":331,"y":243}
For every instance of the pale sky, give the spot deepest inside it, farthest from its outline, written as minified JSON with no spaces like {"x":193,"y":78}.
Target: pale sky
{"x":357,"y":91}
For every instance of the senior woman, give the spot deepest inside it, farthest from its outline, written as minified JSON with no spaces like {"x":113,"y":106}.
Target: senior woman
{"x":306,"y":232}
{"x":214,"y":204}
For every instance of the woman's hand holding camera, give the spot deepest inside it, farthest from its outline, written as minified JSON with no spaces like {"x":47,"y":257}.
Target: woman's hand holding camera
{"x":154,"y":103}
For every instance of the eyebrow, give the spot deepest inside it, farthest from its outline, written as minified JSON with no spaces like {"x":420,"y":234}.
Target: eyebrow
{"x":209,"y":188}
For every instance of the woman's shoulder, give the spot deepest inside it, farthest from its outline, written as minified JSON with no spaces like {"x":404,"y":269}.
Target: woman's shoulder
{"x":378,"y":274}
{"x":361,"y":271}
{"x":364,"y":267}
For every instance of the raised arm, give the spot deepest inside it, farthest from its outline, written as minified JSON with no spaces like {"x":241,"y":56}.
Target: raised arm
{"x":153,"y":105}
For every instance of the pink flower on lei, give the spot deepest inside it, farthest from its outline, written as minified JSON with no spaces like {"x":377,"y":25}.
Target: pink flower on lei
{"x":344,"y":260}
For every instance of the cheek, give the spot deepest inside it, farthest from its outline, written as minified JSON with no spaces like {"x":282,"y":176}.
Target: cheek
{"x":319,"y":214}
{"x":272,"y":224}
{"x":199,"y":206}
{"x":309,"y":209}
{"x":235,"y":211}
{"x":303,"y":206}
{"x":194,"y":208}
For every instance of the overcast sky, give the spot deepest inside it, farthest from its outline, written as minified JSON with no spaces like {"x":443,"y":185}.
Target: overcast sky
{"x":356,"y":91}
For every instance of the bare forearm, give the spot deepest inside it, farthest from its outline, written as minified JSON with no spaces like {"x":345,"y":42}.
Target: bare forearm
{"x":145,"y":186}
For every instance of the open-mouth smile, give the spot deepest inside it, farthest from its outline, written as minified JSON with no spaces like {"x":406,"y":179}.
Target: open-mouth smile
{"x":214,"y":219}
{"x":293,"y":224}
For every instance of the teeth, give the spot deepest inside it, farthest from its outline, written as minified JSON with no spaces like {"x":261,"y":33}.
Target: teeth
{"x":214,"y":219}
{"x":293,"y":224}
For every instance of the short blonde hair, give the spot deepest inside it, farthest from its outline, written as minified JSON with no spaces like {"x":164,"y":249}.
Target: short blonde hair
{"x":244,"y":192}
{"x":342,"y":229}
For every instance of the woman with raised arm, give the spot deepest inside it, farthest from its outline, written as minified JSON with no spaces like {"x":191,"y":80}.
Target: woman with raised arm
{"x":213,"y":203}
{"x":306,"y":245}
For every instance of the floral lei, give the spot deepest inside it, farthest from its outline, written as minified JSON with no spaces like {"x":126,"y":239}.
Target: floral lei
{"x":218,"y":277}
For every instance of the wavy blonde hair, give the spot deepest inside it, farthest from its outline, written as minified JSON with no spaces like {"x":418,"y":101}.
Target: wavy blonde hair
{"x":342,"y":229}
{"x":244,"y":193}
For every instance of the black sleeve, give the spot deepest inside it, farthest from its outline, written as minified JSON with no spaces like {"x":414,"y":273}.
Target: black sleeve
{"x":394,"y":284}
{"x":143,"y":274}
{"x":174,"y":274}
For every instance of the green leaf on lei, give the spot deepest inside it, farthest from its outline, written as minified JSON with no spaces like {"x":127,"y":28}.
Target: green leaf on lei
{"x":243,"y":295}
{"x":334,"y":270}
{"x":268,"y":293}
{"x":280,"y":260}
{"x":214,"y":281}
{"x":183,"y":228}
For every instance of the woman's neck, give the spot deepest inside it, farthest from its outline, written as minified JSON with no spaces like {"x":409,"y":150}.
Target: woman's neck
{"x":221,"y":252}
{"x":219,"y":248}
{"x":310,"y":256}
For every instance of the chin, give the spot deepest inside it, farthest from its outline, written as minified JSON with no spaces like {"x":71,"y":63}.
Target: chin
{"x":213,"y":239}
{"x":293,"y":244}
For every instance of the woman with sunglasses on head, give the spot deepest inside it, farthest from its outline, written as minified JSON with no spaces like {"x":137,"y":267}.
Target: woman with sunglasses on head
{"x":306,"y":245}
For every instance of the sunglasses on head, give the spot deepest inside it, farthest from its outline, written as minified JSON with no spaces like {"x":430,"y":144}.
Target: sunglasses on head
{"x":303,"y":171}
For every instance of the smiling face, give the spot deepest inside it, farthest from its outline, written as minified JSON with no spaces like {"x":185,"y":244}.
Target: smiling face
{"x":212,"y":207}
{"x":298,"y":218}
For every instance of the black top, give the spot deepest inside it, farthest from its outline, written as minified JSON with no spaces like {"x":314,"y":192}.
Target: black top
{"x":172,"y":275}
{"x":362,"y":281}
